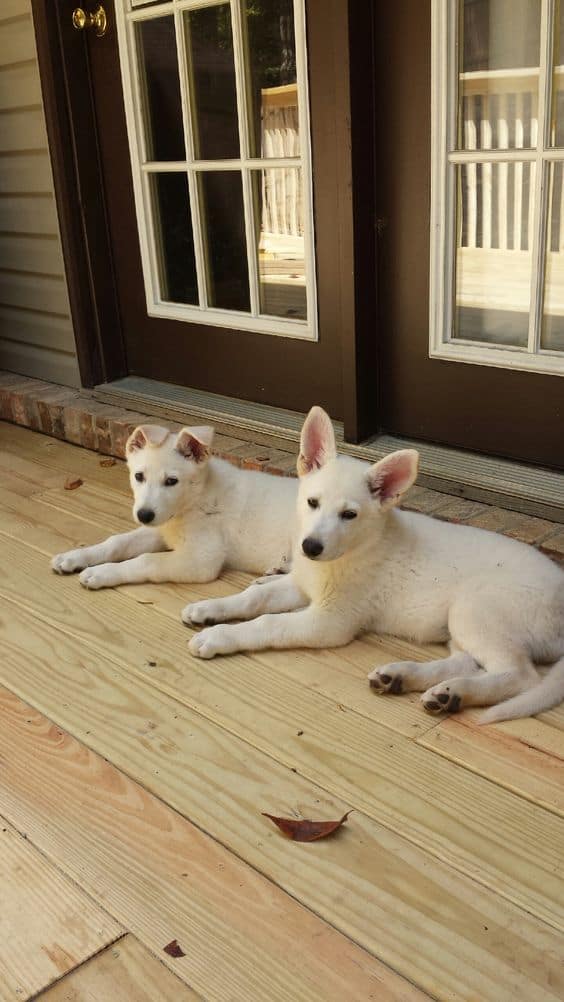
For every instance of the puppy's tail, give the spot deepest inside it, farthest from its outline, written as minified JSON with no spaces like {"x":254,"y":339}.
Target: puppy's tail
{"x":547,"y":693}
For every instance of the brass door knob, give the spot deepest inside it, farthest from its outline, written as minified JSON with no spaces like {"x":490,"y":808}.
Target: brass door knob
{"x":81,"y":19}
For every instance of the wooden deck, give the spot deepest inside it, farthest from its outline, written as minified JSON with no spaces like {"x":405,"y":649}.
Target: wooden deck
{"x":133,"y":777}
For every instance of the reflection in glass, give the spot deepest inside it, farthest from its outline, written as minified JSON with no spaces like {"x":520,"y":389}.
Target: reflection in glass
{"x":498,"y":74}
{"x":175,"y":241}
{"x":281,"y":255}
{"x":209,"y":47}
{"x":557,"y":120}
{"x":494,"y":252}
{"x":552,"y":334}
{"x":226,"y":245}
{"x":271,"y":52}
{"x":159,"y":72}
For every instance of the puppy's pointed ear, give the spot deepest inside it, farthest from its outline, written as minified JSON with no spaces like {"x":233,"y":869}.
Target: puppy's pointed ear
{"x":146,"y":434}
{"x":195,"y":443}
{"x":393,"y":476}
{"x":317,"y":442}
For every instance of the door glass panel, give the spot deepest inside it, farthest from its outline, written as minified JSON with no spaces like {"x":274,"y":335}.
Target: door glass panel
{"x":273,"y":112}
{"x":552,"y":335}
{"x":494,"y":252}
{"x":499,"y":55}
{"x":557,"y":120}
{"x":159,"y":75}
{"x":225,"y":241}
{"x":174,"y":238}
{"x":281,"y":256}
{"x":209,"y":47}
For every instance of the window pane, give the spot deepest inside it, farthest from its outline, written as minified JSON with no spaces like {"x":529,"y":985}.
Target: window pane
{"x":159,"y":71}
{"x":209,"y":46}
{"x":552,"y":335}
{"x":271,"y":47}
{"x":281,"y":255}
{"x":494,"y":252}
{"x":498,"y":73}
{"x":226,"y":245}
{"x":175,"y":242}
{"x":557,"y":123}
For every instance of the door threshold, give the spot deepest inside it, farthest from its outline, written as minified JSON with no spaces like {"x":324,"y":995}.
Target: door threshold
{"x":532,"y":490}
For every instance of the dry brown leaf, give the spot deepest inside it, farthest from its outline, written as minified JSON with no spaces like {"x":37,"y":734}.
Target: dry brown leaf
{"x":71,"y":483}
{"x":108,"y":462}
{"x":173,"y":949}
{"x":301,"y":830}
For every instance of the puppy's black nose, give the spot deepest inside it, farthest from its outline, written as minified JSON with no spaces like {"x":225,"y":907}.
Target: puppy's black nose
{"x":145,"y":515}
{"x":312,"y":547}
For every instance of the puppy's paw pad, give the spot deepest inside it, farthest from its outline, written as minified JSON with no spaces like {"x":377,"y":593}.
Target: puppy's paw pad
{"x":68,"y":563}
{"x":441,"y":699}
{"x":394,"y":678}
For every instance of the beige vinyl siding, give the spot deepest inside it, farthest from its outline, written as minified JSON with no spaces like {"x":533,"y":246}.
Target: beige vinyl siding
{"x":36,"y":333}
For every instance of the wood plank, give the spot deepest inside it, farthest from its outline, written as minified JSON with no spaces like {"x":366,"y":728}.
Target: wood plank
{"x":402,"y":911}
{"x":526,"y":756}
{"x":22,"y":130}
{"x":32,"y":214}
{"x":169,"y":880}
{"x":26,"y":173}
{"x":462,"y":820}
{"x":19,"y":85}
{"x":47,"y":925}
{"x":126,"y":972}
{"x":43,"y":363}
{"x":17,"y":41}
{"x":35,"y":292}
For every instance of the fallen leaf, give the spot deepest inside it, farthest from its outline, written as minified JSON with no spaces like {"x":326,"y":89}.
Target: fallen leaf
{"x":173,"y":949}
{"x":108,"y":462}
{"x":145,"y":601}
{"x":306,"y":831}
{"x":71,"y":483}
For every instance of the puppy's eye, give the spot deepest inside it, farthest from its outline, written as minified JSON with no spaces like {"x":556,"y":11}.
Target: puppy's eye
{"x":171,"y":481}
{"x":348,"y":513}
{"x":313,"y":502}
{"x":139,"y":477}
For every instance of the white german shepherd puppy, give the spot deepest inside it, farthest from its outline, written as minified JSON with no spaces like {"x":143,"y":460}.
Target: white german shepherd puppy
{"x":198,"y":515}
{"x":360,"y":564}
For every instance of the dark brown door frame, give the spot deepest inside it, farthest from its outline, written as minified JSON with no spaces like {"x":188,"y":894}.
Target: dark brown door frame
{"x":71,"y":129}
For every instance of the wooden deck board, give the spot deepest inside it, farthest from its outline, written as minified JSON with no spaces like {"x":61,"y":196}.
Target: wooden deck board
{"x":477,"y":827}
{"x":449,"y":868}
{"x":126,"y":972}
{"x":164,"y":879}
{"x":47,"y":925}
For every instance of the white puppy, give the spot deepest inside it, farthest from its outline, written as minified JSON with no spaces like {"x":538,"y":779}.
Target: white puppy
{"x":360,"y":564}
{"x":198,"y":514}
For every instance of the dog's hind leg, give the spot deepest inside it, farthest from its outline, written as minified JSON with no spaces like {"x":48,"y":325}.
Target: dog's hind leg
{"x":483,"y":689}
{"x":411,"y":676}
{"x":121,"y":547}
{"x":276,"y":594}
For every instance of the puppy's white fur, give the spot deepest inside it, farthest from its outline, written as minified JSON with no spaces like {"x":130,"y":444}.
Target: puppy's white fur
{"x":207,"y":515}
{"x":498,"y":602}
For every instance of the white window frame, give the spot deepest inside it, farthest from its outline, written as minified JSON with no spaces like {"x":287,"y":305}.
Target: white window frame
{"x":128,"y":13}
{"x":444,"y":160}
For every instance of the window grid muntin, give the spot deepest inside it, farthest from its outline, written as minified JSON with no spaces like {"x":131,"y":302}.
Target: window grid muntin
{"x":445,"y":158}
{"x":126,"y":17}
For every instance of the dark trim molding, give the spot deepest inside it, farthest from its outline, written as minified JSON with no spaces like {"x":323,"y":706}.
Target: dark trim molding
{"x":71,"y":130}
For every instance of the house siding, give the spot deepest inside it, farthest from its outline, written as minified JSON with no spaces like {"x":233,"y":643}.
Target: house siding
{"x":36,"y":331}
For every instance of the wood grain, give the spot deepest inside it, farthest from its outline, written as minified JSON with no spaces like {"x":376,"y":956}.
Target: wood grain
{"x":47,"y":925}
{"x":126,"y":972}
{"x":167,"y":880}
{"x":478,"y":828}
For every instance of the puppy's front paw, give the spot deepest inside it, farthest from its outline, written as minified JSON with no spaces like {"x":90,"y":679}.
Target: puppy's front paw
{"x":442,"y":699}
{"x":205,"y":613}
{"x":395,"y":678}
{"x":208,"y":643}
{"x":98,"y":577}
{"x":69,"y":562}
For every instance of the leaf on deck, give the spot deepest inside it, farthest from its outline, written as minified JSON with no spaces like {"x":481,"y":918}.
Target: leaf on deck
{"x":174,"y":949}
{"x":302,"y":830}
{"x":71,"y":483}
